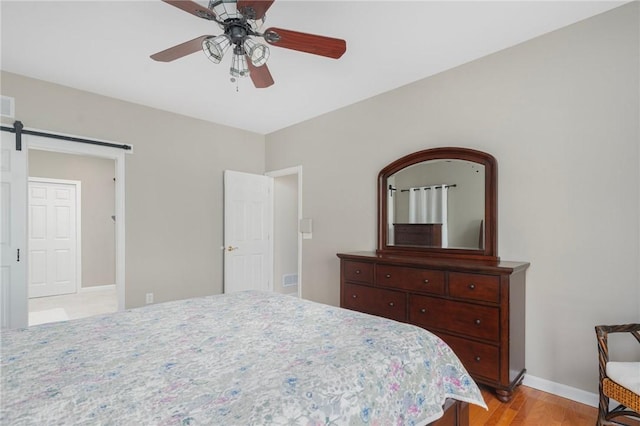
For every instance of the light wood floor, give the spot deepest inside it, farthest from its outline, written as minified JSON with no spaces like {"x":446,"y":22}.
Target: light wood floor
{"x":531,"y":407}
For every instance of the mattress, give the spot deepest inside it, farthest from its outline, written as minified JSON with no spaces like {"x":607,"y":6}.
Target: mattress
{"x":246,"y":358}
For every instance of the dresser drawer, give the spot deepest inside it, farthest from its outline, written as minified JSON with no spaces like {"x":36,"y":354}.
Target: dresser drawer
{"x":471,"y":320}
{"x":478,"y":358}
{"x":475,"y":286}
{"x":358,"y":271}
{"x":375,"y":301}
{"x":413,"y":279}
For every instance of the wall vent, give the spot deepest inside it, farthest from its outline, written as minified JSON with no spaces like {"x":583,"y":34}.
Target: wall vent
{"x":8,"y":106}
{"x":289,"y":280}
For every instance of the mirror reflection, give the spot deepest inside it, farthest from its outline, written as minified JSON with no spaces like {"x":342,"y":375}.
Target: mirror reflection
{"x":437,"y":203}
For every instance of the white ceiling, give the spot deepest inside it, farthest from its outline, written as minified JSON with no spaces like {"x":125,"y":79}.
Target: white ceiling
{"x":104,"y":47}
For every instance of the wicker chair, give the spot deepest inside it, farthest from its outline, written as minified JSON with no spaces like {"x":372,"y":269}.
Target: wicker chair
{"x":628,"y":373}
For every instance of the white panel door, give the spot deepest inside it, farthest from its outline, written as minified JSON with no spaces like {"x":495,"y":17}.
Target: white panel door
{"x":13,"y":234}
{"x":52,"y":239}
{"x":248,"y":211}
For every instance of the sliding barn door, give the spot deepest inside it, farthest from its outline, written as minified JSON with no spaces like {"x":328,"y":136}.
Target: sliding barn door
{"x":248,"y":210}
{"x":13,"y":234}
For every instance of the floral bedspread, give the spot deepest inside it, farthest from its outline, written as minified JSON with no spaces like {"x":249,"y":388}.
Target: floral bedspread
{"x":248,"y":358}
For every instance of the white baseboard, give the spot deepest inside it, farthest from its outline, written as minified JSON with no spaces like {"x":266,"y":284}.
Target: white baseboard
{"x":98,"y":288}
{"x":564,"y":391}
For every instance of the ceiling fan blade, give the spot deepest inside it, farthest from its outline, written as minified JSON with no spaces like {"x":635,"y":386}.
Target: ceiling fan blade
{"x":259,"y":8}
{"x":260,"y":76}
{"x":193,"y":8}
{"x":183,"y":49}
{"x":303,"y":42}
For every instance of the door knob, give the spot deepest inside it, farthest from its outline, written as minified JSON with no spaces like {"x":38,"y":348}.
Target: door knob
{"x":230,"y":248}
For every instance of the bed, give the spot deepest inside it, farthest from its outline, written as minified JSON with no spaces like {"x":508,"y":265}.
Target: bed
{"x":247,"y":358}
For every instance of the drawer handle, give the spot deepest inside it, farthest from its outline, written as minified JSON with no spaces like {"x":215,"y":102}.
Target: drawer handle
{"x":423,"y":310}
{"x":355,"y":296}
{"x":391,"y":304}
{"x":477,"y":322}
{"x":472,"y":286}
{"x":388,"y":276}
{"x":477,"y":359}
{"x":426,"y":281}
{"x":357,"y":271}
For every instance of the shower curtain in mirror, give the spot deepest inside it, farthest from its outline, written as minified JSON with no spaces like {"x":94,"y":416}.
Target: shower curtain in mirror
{"x":429,"y":205}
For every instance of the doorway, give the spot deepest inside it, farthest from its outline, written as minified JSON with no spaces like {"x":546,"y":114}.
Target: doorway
{"x":51,"y":295}
{"x":269,"y":217}
{"x":14,"y":301}
{"x":287,"y":241}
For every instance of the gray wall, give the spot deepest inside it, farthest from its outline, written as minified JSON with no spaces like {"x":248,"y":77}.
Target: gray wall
{"x":98,"y":205}
{"x":560,"y":114}
{"x":173,"y":181}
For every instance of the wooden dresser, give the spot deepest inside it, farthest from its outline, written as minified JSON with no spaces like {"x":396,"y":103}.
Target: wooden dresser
{"x":420,"y":234}
{"x":476,"y":307}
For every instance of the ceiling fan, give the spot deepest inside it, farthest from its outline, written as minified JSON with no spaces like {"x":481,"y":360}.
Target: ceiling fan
{"x":241,"y":20}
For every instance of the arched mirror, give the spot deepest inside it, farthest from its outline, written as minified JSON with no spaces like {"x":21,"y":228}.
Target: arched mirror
{"x":439,"y":202}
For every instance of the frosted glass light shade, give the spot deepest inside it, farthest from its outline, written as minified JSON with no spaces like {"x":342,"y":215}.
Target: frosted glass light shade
{"x":225,"y":9}
{"x":258,"y":53}
{"x":216,"y":47}
{"x":239,"y":67}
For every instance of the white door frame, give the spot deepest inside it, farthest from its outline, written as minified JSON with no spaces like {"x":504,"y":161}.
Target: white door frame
{"x":116,"y":154}
{"x":78,"y":185}
{"x":296,"y":170}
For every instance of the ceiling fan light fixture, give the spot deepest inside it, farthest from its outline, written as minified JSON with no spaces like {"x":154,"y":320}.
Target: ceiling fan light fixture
{"x":258,"y":53}
{"x":241,"y":21}
{"x":239,"y":67}
{"x":216,"y":47}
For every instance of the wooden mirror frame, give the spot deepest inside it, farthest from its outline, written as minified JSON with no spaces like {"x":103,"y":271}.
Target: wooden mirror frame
{"x":490,"y":250}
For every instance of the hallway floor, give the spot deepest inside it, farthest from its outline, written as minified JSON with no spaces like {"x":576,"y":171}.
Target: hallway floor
{"x":72,"y":306}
